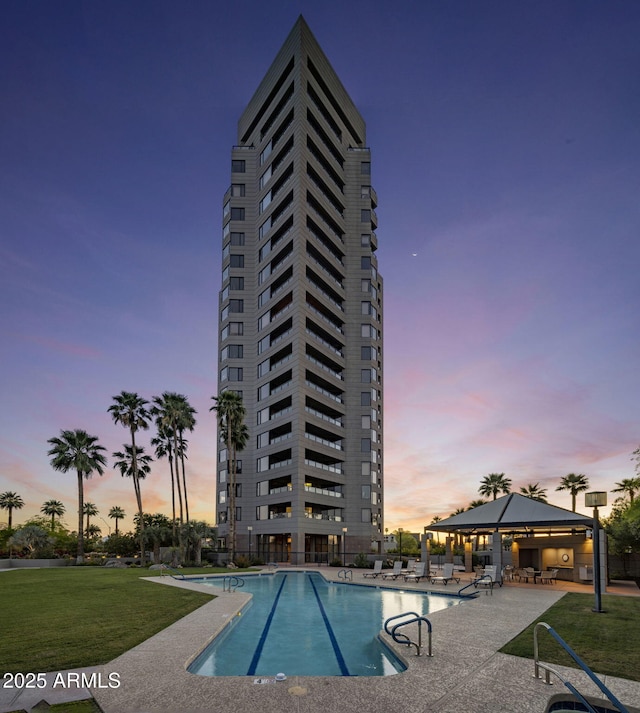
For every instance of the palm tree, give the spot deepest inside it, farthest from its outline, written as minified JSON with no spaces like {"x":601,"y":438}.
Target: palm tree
{"x":185,"y":422}
{"x":130,"y":410}
{"x":195,"y":534}
{"x":10,"y":501}
{"x":156,"y":531}
{"x":163,"y":443}
{"x":171,"y":416}
{"x":493,"y":484}
{"x":93,"y":532}
{"x":535,"y":492}
{"x":90,"y":510}
{"x":230,"y":413}
{"x":628,"y":485}
{"x":77,"y":450}
{"x":127,"y":465}
{"x":116,"y":513}
{"x":476,"y":504}
{"x":575,"y":483}
{"x":53,"y":508}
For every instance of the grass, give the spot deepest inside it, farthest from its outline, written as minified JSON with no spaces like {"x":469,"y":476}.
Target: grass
{"x":602,"y":641}
{"x":71,"y":617}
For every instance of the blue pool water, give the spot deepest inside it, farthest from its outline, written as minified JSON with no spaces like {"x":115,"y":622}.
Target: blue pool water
{"x":299,"y":624}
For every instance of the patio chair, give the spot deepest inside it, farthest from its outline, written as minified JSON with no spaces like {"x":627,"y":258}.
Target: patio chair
{"x":526,"y":574}
{"x":549,"y":576}
{"x":411,"y":564}
{"x":395,"y":572}
{"x":447,"y":575}
{"x":417,"y":574}
{"x":377,"y":569}
{"x":488,"y":578}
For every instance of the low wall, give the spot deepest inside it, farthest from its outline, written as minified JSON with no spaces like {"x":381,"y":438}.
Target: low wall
{"x":20,"y":563}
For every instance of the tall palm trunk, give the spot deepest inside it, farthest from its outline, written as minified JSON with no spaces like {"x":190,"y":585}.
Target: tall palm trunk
{"x":136,"y":488}
{"x":232,"y":492}
{"x":173,"y":499}
{"x":184,"y":479}
{"x":80,"y":555}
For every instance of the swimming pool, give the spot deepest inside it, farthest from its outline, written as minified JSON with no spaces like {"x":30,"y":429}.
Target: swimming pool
{"x":300,"y":624}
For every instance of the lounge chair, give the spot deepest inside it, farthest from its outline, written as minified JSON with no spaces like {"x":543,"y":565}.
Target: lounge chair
{"x":447,"y":575}
{"x":395,"y":572}
{"x":417,"y":574}
{"x":377,"y":569}
{"x":488,"y":578}
{"x":411,"y":565}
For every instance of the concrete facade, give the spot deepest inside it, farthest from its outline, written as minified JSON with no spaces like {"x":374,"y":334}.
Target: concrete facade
{"x":300,"y":319}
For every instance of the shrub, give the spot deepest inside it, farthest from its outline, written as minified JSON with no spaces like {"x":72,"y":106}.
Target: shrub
{"x":362,"y":561}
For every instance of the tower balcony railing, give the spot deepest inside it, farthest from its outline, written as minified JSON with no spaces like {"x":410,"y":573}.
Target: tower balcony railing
{"x":325,"y":343}
{"x":326,"y":368}
{"x":324,"y":466}
{"x":323,"y":491}
{"x":324,"y":417}
{"x":326,"y":272}
{"x":280,"y":464}
{"x":322,"y":391}
{"x":282,"y":489}
{"x":329,"y":201}
{"x":324,"y":441}
{"x":280,"y":337}
{"x":325,"y":319}
{"x":322,"y":243}
{"x":278,"y":414}
{"x":327,"y":296}
{"x":281,"y":387}
{"x":322,"y":516}
{"x":278,"y":515}
{"x":279,"y":439}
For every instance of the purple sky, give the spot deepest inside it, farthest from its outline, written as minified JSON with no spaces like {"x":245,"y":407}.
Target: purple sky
{"x":505,"y":143}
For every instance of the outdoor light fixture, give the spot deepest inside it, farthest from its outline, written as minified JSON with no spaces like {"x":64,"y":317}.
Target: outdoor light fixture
{"x":344,"y":546}
{"x":250,"y":529}
{"x":595,"y":500}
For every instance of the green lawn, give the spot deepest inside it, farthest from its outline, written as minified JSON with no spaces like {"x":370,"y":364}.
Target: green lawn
{"x":60,"y":618}
{"x":602,"y":641}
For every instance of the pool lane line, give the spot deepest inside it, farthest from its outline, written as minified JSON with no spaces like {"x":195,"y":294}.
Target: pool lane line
{"x":334,"y":642}
{"x":263,"y":638}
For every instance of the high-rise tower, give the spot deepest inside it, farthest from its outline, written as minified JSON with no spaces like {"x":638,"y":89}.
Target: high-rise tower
{"x":301,"y":319}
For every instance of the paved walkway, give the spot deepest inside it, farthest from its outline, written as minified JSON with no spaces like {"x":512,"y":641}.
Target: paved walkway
{"x":466,"y":672}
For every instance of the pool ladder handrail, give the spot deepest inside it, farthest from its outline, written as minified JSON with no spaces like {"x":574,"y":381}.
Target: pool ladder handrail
{"x":475,"y":591}
{"x":401,"y":638}
{"x":231,"y":580}
{"x":550,"y":670}
{"x":174,"y":572}
{"x":345,"y":574}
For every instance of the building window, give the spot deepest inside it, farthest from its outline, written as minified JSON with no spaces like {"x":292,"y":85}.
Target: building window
{"x":365,"y":376}
{"x":225,"y":210}
{"x":238,"y":166}
{"x":365,"y":422}
{"x":222,"y":517}
{"x":368,"y":353}
{"x":232,"y":351}
{"x":366,"y":515}
{"x":365,"y":240}
{"x":365,"y":492}
{"x":262,"y":512}
{"x":365,"y":398}
{"x":365,"y":445}
{"x":365,"y":215}
{"x":238,"y":514}
{"x":232,"y":329}
{"x":365,"y":263}
{"x":237,"y":238}
{"x":222,"y":497}
{"x":365,"y":168}
{"x":237,"y":261}
{"x":236,"y":283}
{"x":237,"y":190}
{"x":365,"y":468}
{"x":231,"y":373}
{"x":237,"y":214}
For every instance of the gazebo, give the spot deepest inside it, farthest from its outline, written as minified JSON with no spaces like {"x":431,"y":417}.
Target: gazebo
{"x":540,"y":535}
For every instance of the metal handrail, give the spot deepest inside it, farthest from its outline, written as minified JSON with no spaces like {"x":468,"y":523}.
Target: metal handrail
{"x":175,"y":575}
{"x":345,"y":574}
{"x":473,"y":594}
{"x":230,"y":580}
{"x":403,"y":639}
{"x":549,"y":670}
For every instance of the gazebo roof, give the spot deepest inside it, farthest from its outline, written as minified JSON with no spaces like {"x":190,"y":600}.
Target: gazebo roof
{"x":513,"y":512}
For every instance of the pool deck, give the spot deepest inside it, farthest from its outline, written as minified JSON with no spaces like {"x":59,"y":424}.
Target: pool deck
{"x":466,"y":672}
